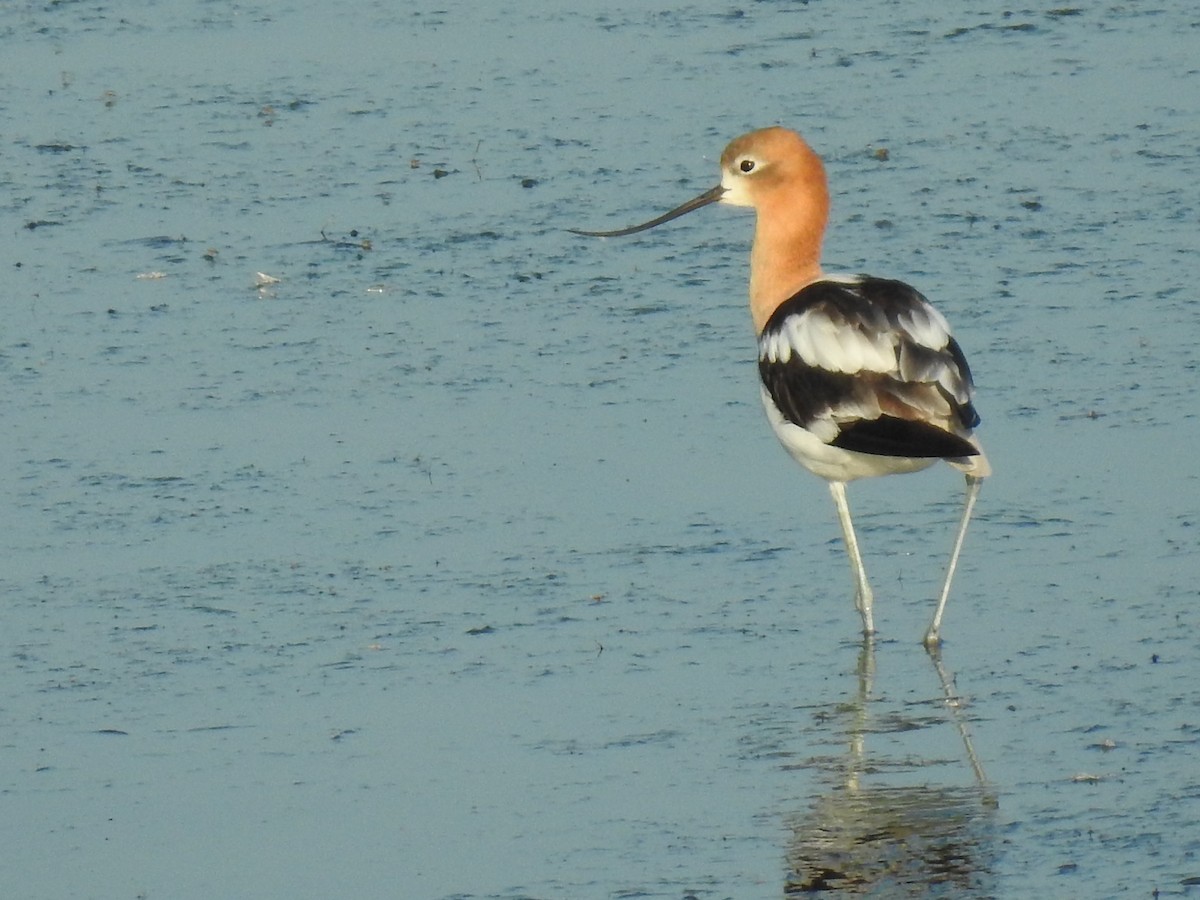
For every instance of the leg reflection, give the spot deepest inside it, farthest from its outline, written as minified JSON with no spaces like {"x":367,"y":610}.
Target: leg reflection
{"x":872,"y":830}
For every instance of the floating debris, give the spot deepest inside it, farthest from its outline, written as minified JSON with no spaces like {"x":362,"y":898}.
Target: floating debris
{"x":263,"y":284}
{"x":150,"y":276}
{"x":55,"y":147}
{"x":356,"y":242}
{"x":158,"y":241}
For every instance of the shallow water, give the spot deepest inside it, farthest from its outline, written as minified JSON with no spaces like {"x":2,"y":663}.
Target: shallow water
{"x":460,"y":562}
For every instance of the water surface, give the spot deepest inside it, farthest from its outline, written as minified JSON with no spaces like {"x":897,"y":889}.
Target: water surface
{"x":459,"y":562}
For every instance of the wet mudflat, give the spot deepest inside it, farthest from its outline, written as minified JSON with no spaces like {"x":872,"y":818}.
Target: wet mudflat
{"x":459,"y":561}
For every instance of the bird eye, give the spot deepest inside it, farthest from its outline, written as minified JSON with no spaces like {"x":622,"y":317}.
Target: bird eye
{"x":746,"y":165}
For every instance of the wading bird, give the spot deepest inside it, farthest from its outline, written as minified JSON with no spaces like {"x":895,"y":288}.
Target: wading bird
{"x":860,"y":375}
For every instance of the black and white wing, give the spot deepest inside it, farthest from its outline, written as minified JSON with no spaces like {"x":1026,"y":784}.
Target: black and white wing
{"x":867,"y":364}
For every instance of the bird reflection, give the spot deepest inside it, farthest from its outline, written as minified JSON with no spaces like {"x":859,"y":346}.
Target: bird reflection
{"x":864,"y":836}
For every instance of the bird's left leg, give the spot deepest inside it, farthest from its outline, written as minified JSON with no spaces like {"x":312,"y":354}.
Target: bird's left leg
{"x":863,"y":598}
{"x":932,"y":636}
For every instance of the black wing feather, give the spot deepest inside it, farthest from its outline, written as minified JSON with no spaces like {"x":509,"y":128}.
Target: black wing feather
{"x":889,"y":436}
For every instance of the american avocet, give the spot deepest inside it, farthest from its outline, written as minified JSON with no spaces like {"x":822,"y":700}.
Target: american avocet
{"x":860,"y":375}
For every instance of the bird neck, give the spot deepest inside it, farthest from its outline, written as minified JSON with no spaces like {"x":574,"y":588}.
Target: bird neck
{"x":787,"y":249}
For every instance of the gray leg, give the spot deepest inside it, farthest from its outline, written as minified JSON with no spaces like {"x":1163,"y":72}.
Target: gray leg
{"x":932,"y":636}
{"x":863,"y":599}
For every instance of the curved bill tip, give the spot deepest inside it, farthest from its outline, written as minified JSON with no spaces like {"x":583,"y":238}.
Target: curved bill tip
{"x":709,"y":196}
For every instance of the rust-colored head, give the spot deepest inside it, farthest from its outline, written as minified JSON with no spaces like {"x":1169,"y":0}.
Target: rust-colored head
{"x":761,"y":167}
{"x":774,"y":171}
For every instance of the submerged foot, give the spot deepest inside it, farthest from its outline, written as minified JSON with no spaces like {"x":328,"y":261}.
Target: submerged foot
{"x":864,"y":603}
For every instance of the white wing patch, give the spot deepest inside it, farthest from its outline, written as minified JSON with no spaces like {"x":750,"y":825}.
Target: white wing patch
{"x":926,"y":326}
{"x":832,"y":344}
{"x":829,"y":344}
{"x":909,"y":347}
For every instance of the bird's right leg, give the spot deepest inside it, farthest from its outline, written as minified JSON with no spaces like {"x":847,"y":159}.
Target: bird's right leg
{"x":932,"y":635}
{"x":863,"y":598}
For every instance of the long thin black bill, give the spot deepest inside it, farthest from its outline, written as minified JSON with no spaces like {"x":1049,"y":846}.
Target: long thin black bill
{"x":695,"y":203}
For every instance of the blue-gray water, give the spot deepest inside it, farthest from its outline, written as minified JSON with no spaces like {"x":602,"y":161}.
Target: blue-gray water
{"x":461,"y":563}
